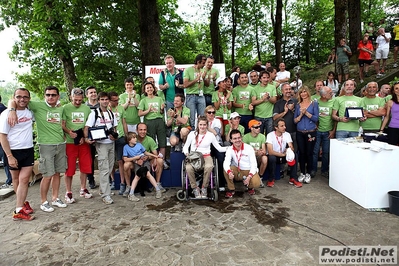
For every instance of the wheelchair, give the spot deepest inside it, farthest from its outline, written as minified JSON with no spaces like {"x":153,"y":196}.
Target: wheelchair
{"x":186,"y":193}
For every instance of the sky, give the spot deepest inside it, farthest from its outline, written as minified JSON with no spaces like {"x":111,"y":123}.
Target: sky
{"x":10,"y":35}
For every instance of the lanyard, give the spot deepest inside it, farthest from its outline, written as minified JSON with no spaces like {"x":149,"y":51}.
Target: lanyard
{"x":238,"y":153}
{"x":199,"y":143}
{"x":280,"y":143}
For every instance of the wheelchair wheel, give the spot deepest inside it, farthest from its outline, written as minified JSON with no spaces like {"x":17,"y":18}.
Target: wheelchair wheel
{"x":216,"y":174}
{"x":183,"y":175}
{"x":181,"y":195}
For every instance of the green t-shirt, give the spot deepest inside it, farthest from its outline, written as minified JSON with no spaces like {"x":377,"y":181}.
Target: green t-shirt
{"x":149,"y":144}
{"x":184,"y":113}
{"x":119,"y":114}
{"x":265,"y":109}
{"x":48,"y":122}
{"x":191,"y":73}
{"x":75,"y":118}
{"x":132,"y":114}
{"x":372,"y":104}
{"x":326,"y":123}
{"x":340,"y":105}
{"x":315,"y":97}
{"x":255,"y":142}
{"x":155,"y":103}
{"x":211,"y":88}
{"x":223,"y":104}
{"x":242,"y":95}
{"x":227,"y":129}
{"x":159,"y":94}
{"x":342,"y":57}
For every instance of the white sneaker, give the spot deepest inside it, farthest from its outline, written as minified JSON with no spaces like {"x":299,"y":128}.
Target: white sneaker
{"x":158,"y":194}
{"x":301,"y":177}
{"x":85,"y":193}
{"x":132,"y":197}
{"x":107,"y":200}
{"x":307,"y":179}
{"x":161,"y":187}
{"x":59,"y":203}
{"x":69,"y":198}
{"x":46,"y":207}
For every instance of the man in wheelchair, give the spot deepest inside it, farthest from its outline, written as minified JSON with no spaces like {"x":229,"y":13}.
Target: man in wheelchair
{"x":200,"y":140}
{"x":240,"y":165}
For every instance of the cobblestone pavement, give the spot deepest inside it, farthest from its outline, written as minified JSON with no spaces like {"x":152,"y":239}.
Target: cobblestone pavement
{"x":278,"y":226}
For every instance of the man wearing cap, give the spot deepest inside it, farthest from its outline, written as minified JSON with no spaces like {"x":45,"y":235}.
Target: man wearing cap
{"x":277,"y":142}
{"x":222,"y":100}
{"x":234,"y":123}
{"x":242,"y":100}
{"x":240,"y":165}
{"x":258,"y":143}
{"x":264,"y":97}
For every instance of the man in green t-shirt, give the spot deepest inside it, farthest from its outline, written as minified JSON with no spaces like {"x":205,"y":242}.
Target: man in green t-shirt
{"x":263,"y":98}
{"x":211,"y":74}
{"x":50,"y":138}
{"x":346,"y":127}
{"x":242,"y":100}
{"x":73,"y":122}
{"x":373,"y":107}
{"x":325,"y":131}
{"x":178,"y":120}
{"x":194,"y":81}
{"x":258,"y":142}
{"x":121,"y":128}
{"x":130,"y":101}
{"x":150,"y":146}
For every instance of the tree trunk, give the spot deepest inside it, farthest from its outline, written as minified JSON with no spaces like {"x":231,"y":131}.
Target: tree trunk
{"x":341,"y":8}
{"x":234,"y":32}
{"x":149,"y":32}
{"x":355,"y":33}
{"x":214,"y":28}
{"x":278,"y":32}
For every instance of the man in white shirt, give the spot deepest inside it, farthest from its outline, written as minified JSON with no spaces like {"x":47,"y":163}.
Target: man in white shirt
{"x":240,"y":162}
{"x":382,"y":50}
{"x":17,"y":142}
{"x":283,"y":75}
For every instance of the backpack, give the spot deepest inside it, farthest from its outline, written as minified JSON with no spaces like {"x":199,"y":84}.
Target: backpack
{"x":96,"y":116}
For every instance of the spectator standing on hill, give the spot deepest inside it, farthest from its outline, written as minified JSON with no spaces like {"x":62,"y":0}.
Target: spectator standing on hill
{"x":382,"y":50}
{"x":343,"y":54}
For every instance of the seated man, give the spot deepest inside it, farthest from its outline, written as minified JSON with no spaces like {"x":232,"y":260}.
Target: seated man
{"x":234,"y":123}
{"x":240,"y":162}
{"x":178,"y":119}
{"x":133,"y":151}
{"x":277,"y":142}
{"x":257,"y":141}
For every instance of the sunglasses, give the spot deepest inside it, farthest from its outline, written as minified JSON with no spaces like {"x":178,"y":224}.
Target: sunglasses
{"x":77,"y":92}
{"x":210,"y":112}
{"x":256,"y":127}
{"x":51,"y":95}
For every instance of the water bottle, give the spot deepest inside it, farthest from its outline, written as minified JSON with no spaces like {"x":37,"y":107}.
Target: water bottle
{"x":360,"y":132}
{"x":244,"y":178}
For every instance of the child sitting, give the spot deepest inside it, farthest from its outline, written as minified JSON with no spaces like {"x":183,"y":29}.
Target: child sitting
{"x":133,"y":153}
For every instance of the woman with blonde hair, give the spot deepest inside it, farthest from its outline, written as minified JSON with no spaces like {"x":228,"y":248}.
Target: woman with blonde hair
{"x":306,"y":117}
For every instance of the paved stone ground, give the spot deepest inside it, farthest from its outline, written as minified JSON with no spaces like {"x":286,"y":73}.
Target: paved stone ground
{"x":278,"y":226}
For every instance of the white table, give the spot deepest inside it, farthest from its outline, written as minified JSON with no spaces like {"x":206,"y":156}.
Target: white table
{"x":363,"y":175}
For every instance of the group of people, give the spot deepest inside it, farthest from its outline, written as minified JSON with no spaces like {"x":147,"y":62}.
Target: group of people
{"x":249,"y":128}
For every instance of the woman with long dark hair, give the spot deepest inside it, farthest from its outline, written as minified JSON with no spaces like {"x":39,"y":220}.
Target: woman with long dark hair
{"x":393,"y":114}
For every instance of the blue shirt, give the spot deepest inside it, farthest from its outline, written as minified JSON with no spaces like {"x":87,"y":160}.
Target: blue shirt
{"x":129,"y":151}
{"x":307,"y":123}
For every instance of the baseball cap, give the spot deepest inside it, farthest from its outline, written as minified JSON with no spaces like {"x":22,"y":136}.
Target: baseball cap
{"x":254,"y":122}
{"x":234,"y":115}
{"x":218,"y":80}
{"x":290,"y":157}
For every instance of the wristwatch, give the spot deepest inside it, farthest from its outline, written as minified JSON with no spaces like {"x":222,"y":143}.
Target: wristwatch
{"x":12,"y":109}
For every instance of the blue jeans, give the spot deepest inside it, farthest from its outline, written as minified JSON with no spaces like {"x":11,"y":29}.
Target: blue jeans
{"x":323,"y":140}
{"x":267,"y":125}
{"x":196,"y":104}
{"x":274,"y":160}
{"x":345,"y":134}
{"x":169,"y":105}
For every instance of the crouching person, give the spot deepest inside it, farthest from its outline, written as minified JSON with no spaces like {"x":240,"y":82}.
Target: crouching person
{"x":132,"y":157}
{"x":240,"y":162}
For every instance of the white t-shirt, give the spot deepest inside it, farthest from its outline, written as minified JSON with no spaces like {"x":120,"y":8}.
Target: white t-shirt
{"x":107,"y":121}
{"x":279,"y":143}
{"x":282,"y":75}
{"x":19,"y":136}
{"x":382,"y":43}
{"x":202,"y":144}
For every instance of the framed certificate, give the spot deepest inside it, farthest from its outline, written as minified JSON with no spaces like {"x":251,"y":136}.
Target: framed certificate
{"x":97,"y":133}
{"x":354,"y":112}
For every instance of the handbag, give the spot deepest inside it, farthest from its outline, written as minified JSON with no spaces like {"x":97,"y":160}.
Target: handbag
{"x":196,"y":160}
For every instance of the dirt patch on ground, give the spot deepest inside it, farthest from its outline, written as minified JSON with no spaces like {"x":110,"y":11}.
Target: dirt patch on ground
{"x":267,"y":210}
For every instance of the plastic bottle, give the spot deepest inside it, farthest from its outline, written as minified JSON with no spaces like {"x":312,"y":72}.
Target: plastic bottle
{"x":360,"y":132}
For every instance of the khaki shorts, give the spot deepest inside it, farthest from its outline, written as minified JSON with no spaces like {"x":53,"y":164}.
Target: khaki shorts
{"x":52,"y":159}
{"x":343,"y":68}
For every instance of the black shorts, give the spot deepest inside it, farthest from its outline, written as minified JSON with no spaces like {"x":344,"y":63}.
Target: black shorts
{"x":364,"y":61}
{"x":395,"y":43}
{"x":25,"y":158}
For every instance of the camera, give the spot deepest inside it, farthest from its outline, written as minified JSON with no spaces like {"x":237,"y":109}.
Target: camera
{"x":113,"y":133}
